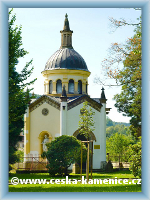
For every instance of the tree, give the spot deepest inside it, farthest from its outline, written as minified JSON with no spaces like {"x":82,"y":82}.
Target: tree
{"x":86,"y":126}
{"x":20,"y":154}
{"x":128,"y":76}
{"x":18,"y":97}
{"x":86,"y":123}
{"x":117,"y":145}
{"x":109,"y":122}
{"x":62,"y":152}
{"x":135,"y":152}
{"x":129,"y":100}
{"x":119,"y":128}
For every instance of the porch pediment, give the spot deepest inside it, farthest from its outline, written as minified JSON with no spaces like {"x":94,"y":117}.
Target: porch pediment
{"x":50,"y":100}
{"x":94,"y":104}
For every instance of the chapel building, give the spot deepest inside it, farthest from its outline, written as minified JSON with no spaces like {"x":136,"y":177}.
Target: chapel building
{"x":57,"y":112}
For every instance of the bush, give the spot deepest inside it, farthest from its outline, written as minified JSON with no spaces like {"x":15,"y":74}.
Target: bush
{"x":20,"y":155}
{"x":62,"y":152}
{"x":135,"y":158}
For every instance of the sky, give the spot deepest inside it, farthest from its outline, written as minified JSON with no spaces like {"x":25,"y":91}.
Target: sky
{"x":92,"y":36}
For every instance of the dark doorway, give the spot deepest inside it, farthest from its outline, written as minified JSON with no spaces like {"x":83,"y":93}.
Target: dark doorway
{"x":82,"y":138}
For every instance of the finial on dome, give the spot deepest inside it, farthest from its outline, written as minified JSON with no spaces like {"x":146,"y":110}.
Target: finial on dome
{"x":66,"y":23}
{"x":66,"y":15}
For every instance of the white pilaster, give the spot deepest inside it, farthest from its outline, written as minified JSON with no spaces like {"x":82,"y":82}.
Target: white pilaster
{"x":103,"y":133}
{"x":63,"y":117}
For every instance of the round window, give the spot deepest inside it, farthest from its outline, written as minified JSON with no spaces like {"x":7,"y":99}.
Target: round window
{"x":45,"y":111}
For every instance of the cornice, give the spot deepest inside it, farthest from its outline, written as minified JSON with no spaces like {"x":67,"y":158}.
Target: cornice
{"x":97,"y":106}
{"x":42,"y":100}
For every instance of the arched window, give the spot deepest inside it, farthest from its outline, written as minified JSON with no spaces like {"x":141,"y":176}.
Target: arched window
{"x":86,"y":87}
{"x":71,"y":86}
{"x":50,"y":86}
{"x":59,"y":86}
{"x":80,"y":87}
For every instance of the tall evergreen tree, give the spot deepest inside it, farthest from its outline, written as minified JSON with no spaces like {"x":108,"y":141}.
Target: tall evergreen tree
{"x":18,"y":97}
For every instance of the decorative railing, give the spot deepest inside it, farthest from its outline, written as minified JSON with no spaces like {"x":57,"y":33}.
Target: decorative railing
{"x":32,"y":163}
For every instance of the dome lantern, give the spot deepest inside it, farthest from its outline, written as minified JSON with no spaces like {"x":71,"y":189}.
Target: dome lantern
{"x":66,"y":35}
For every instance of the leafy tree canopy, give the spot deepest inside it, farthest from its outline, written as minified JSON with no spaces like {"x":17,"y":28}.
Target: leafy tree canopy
{"x":117,"y":144}
{"x":135,"y":155}
{"x":62,"y":152}
{"x":129,"y":100}
{"x":116,"y":127}
{"x":86,"y":123}
{"x":119,"y":128}
{"x":109,"y":122}
{"x":124,"y":66}
{"x":18,"y":98}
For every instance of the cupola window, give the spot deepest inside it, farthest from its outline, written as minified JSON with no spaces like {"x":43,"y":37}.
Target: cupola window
{"x":59,"y":86}
{"x":80,"y":87}
{"x":50,"y":87}
{"x":71,"y":86}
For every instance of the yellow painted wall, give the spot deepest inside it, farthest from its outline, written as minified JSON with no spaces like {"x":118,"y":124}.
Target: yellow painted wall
{"x":41,"y":125}
{"x":27,"y":132}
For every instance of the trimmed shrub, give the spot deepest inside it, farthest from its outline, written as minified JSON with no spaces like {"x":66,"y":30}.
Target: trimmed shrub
{"x":62,"y":152}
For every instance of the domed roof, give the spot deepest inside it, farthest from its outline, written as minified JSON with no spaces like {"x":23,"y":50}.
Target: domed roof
{"x":66,"y":58}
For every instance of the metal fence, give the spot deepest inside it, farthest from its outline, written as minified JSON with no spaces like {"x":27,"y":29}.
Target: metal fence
{"x":118,"y":161}
{"x":32,"y":163}
{"x":37,"y":163}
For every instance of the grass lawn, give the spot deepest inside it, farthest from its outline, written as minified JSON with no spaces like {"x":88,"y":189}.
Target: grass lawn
{"x":79,"y":187}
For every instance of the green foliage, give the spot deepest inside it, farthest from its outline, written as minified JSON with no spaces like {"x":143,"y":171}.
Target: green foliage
{"x":128,"y":75}
{"x":121,"y":123}
{"x":62,"y":152}
{"x":109,"y":122}
{"x":135,"y":152}
{"x":20,"y":155}
{"x":34,"y":96}
{"x":18,"y":98}
{"x":86,"y":123}
{"x":119,"y":128}
{"x":117,"y":145}
{"x":129,"y":100}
